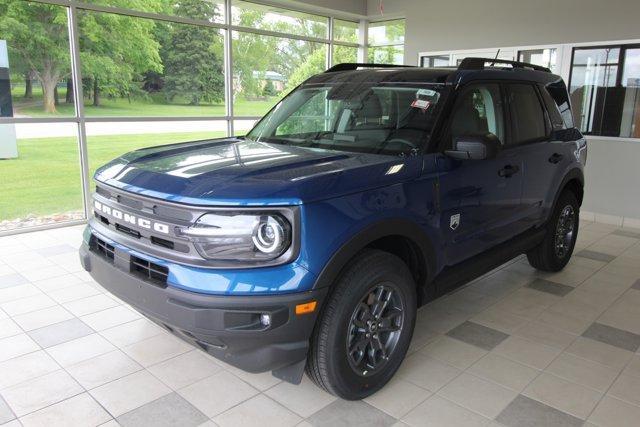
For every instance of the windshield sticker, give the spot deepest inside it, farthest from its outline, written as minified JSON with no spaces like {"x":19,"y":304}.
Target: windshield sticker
{"x":425,"y":92}
{"x":422,"y":104}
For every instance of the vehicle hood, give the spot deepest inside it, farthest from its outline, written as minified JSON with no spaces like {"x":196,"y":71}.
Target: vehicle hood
{"x":242,"y":172}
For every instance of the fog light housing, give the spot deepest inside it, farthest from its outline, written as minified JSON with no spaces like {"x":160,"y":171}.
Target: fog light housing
{"x":265,"y":319}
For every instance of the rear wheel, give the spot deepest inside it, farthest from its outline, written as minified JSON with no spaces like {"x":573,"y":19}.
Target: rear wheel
{"x":554,"y":252}
{"x":366,"y":326}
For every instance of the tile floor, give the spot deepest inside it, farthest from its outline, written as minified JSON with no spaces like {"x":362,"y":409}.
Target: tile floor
{"x":514,"y":348}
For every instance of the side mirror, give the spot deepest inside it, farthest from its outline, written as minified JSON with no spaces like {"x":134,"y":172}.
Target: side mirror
{"x":475,"y":147}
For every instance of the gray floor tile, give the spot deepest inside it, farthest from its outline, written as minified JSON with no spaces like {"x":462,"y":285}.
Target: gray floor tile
{"x":636,"y":285}
{"x":598,"y":256}
{"x":6,"y":414}
{"x":10,"y":280}
{"x":525,"y":412}
{"x":56,"y":250}
{"x":169,"y":410}
{"x":478,"y":335}
{"x":550,"y":287}
{"x":626,"y":233}
{"x":350,"y":413}
{"x":613,"y":336}
{"x":60,"y":332}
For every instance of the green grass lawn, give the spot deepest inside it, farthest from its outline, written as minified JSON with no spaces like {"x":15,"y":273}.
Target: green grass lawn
{"x":45,"y":179}
{"x":151,"y":107}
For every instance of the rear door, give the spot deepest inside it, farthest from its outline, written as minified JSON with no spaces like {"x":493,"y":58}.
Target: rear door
{"x":532,"y":138}
{"x":480,"y":200}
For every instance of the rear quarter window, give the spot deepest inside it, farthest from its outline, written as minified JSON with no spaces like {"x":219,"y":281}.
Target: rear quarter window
{"x":558,"y":91}
{"x":557,"y":122}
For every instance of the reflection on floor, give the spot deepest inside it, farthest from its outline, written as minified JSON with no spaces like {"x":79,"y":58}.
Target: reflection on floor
{"x":515,"y":348}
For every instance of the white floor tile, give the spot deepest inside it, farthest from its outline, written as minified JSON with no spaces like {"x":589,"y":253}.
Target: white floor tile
{"x":129,"y":392}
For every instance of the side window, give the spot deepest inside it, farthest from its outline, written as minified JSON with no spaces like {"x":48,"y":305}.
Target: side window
{"x":528,"y":122}
{"x":478,"y":110}
{"x":554,"y":114}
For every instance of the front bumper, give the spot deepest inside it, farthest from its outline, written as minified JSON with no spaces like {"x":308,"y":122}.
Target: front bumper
{"x":227,"y":327}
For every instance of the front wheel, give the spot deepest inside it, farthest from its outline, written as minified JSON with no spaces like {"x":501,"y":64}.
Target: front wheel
{"x":365,"y":328}
{"x":554,"y":252}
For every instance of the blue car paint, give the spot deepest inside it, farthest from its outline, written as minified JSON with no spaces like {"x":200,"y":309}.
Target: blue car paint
{"x":394,"y":192}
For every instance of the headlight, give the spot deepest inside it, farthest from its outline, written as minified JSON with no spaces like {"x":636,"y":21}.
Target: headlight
{"x":238,"y":236}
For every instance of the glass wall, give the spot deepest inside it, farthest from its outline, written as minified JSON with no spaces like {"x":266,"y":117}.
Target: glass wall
{"x":543,"y":57}
{"x":37,"y":41}
{"x":142,"y":73}
{"x":605,"y":90}
{"x":163,"y":69}
{"x":203,"y":10}
{"x":435,"y":61}
{"x":386,"y":42}
{"x":265,"y":68}
{"x":43,"y":184}
{"x":265,"y":17}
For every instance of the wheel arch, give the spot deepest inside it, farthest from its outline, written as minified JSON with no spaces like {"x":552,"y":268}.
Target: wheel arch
{"x":574,"y":181}
{"x":402,"y":238}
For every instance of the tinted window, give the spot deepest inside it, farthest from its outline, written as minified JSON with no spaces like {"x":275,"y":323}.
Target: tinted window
{"x":554,"y":114}
{"x":528,"y":122}
{"x":478,"y":111}
{"x":558,"y":92}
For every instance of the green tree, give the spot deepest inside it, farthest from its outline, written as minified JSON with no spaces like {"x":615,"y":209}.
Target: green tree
{"x":269,"y":89}
{"x":252,"y":54}
{"x":115,"y":51}
{"x":193,"y":57}
{"x":37,"y":34}
{"x":314,"y":64}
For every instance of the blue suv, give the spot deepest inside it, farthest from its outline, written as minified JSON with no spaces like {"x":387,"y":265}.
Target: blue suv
{"x":369,"y":190}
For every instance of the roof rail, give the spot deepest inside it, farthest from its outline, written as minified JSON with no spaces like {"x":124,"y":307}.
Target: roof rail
{"x":478,"y":64}
{"x":350,"y":66}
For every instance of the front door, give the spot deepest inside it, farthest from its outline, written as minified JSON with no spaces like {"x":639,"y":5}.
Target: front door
{"x":480,"y":200}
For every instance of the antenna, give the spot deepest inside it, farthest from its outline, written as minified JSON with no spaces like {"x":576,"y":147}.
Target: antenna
{"x":496,"y":57}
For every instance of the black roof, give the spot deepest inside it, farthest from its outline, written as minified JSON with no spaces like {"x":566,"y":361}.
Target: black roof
{"x":470,"y":69}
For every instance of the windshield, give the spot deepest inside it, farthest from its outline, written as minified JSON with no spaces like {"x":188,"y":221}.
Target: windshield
{"x":359,"y":117}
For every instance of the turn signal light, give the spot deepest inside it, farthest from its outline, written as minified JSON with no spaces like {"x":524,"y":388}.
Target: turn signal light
{"x":307,"y":307}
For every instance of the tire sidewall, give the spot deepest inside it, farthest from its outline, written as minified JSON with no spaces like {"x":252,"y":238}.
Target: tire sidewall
{"x":348,"y":383}
{"x":565,"y":199}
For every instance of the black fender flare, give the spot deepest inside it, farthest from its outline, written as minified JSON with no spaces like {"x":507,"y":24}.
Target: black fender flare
{"x":371,"y":233}
{"x":575,"y":173}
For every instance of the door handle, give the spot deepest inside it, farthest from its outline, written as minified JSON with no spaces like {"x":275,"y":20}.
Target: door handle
{"x":508,"y":170}
{"x":555,"y":158}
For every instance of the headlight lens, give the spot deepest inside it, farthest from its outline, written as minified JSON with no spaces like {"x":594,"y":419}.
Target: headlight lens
{"x":237,"y":236}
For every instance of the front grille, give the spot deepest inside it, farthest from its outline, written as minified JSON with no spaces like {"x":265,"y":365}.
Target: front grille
{"x":102,"y":248}
{"x":126,"y":230}
{"x":149,"y":271}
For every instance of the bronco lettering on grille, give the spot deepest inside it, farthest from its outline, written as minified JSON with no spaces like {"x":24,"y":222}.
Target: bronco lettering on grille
{"x":131,"y":219}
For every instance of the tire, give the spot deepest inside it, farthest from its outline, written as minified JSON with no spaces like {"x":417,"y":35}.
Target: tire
{"x":547,"y":256}
{"x":343,"y":326}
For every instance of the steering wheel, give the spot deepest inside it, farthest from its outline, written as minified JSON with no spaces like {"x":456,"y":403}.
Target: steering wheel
{"x":410,"y":145}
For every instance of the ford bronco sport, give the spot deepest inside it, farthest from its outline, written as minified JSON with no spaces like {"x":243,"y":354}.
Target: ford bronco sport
{"x":369,"y":190}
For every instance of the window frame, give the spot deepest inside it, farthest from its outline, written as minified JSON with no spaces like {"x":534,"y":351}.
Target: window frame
{"x":622,"y":47}
{"x":371,"y":45}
